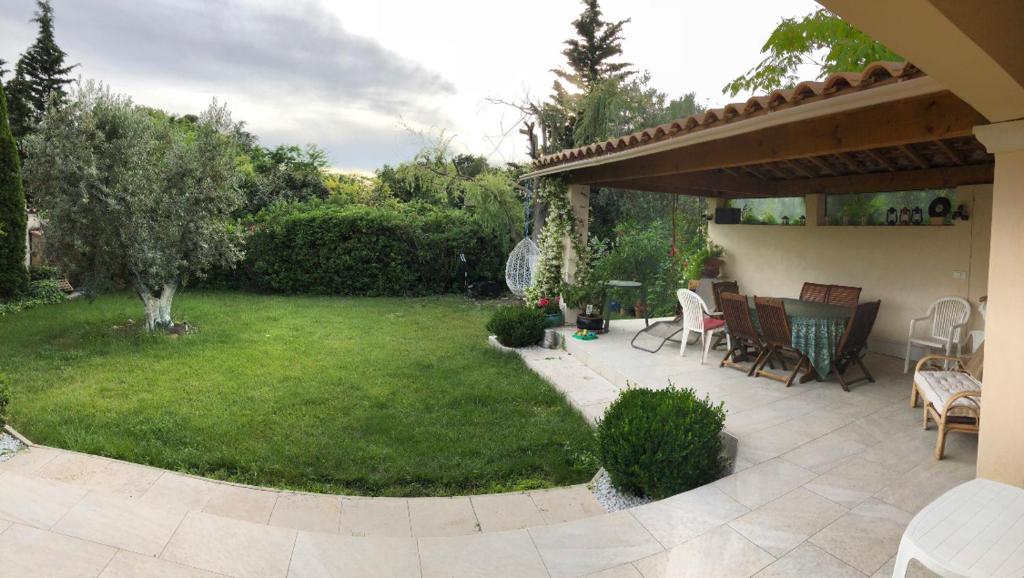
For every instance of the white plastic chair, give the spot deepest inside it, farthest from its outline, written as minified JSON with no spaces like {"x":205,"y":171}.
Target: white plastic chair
{"x":696,"y":317}
{"x":949,"y":317}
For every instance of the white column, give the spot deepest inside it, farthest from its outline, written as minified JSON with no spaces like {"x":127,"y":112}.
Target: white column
{"x":579,"y":208}
{"x":1001,"y":444}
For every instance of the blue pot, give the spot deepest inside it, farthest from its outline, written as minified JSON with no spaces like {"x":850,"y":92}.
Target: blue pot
{"x":555,"y":319}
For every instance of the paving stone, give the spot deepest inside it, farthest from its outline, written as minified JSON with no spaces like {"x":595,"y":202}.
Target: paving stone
{"x":35,"y":502}
{"x":176,"y":491}
{"x":566,"y":504}
{"x":231,"y":547}
{"x":764,"y":482}
{"x":684,"y":516}
{"x":311,"y":512}
{"x":506,"y":512}
{"x":442,"y":517}
{"x":781,"y":525}
{"x":375,"y":517}
{"x":592,"y":544}
{"x":27,"y":552}
{"x":29,"y":460}
{"x":121,"y":523}
{"x":721,"y":553}
{"x":809,"y":561}
{"x":241,"y":503}
{"x":101,"y":474}
{"x":866,"y":537}
{"x":131,"y":565}
{"x":491,"y":555}
{"x":330,"y":556}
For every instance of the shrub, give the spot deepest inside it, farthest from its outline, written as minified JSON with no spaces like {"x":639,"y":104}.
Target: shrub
{"x":360,"y":250}
{"x":13,"y":276}
{"x":5,"y":398}
{"x":42,"y":292}
{"x":660,"y":443}
{"x":517,"y":326}
{"x":43,"y":273}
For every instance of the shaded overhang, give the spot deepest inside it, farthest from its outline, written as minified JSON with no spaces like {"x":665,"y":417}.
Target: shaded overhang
{"x":889,"y":128}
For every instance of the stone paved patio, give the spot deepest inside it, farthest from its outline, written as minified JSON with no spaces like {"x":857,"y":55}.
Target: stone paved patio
{"x":825,"y":483}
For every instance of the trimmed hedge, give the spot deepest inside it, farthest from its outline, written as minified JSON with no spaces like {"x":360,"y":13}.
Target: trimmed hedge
{"x":361,"y":250}
{"x":517,"y":326}
{"x":661,"y":443}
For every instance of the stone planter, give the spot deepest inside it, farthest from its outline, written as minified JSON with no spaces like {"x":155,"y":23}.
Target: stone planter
{"x":591,"y":323}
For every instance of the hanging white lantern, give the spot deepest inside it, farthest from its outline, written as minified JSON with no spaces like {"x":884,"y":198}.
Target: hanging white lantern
{"x":520,"y":265}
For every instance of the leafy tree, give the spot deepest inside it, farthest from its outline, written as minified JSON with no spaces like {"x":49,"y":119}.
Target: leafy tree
{"x":796,"y":42}
{"x":13,"y":275}
{"x":3,"y":70}
{"x":285,"y":173}
{"x":40,"y":72}
{"x":589,"y":55}
{"x":136,"y":195}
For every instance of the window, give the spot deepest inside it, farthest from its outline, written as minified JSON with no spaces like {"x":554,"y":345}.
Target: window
{"x":783,"y":211}
{"x":903,"y":207}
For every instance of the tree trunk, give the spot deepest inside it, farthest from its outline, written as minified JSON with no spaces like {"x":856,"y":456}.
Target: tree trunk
{"x":157,"y":305}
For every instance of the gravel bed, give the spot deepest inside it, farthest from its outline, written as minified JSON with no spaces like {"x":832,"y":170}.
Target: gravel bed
{"x":9,"y":445}
{"x":612,"y":499}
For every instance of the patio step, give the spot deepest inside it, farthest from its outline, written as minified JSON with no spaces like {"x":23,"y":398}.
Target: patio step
{"x":328,"y":513}
{"x":586,"y":389}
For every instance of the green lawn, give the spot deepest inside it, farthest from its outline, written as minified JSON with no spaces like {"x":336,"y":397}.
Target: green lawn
{"x":368,"y":396}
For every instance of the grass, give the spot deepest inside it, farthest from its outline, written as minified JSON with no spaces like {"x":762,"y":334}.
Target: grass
{"x":371,"y":396}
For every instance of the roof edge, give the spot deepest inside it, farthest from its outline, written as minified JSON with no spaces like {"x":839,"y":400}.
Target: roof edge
{"x":907,"y":88}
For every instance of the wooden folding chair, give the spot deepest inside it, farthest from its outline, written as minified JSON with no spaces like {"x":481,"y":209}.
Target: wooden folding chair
{"x":719,"y":288}
{"x":843,"y":295}
{"x":778,"y":337}
{"x":853,"y":343}
{"x":744,"y":338}
{"x":815,"y":292}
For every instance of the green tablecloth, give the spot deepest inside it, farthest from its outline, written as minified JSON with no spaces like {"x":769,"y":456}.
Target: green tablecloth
{"x":817,"y":329}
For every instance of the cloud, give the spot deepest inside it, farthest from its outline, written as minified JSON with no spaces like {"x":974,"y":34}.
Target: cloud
{"x":289,"y":69}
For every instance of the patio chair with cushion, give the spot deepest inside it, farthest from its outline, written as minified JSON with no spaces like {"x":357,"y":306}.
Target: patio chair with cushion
{"x":778,"y":338}
{"x":853,"y":344}
{"x":948,"y":317}
{"x":697,"y":318}
{"x":719,"y":288}
{"x":744,"y":340}
{"x":952,"y":397}
{"x":843,"y":295}
{"x":815,"y":292}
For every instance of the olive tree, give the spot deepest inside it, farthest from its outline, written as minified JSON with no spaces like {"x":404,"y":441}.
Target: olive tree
{"x":134,"y":195}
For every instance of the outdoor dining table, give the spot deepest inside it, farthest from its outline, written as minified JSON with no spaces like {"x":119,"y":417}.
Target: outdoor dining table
{"x":816,"y":330}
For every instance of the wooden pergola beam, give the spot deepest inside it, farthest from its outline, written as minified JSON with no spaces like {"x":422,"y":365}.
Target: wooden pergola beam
{"x":701,"y":183}
{"x":881,"y":159}
{"x":925,"y":118}
{"x":918,"y":159}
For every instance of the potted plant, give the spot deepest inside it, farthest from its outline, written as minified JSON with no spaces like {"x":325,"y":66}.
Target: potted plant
{"x":586,"y":299}
{"x":712,"y":267}
{"x":552,"y":311}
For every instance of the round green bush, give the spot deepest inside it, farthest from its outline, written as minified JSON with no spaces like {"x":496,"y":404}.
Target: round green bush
{"x":517,"y":326}
{"x":661,"y":443}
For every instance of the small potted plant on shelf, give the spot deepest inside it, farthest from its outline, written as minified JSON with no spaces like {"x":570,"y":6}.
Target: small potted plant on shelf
{"x":552,"y":311}
{"x":586,"y":299}
{"x":712,"y":260}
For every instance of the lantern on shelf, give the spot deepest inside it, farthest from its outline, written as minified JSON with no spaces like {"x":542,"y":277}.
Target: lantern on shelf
{"x":892,"y":216}
{"x":905,"y":216}
{"x":785,"y":219}
{"x":917,"y":216}
{"x":803,"y":219}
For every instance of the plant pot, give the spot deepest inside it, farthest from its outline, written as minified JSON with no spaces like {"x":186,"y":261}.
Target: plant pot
{"x":555,"y":319}
{"x":937,"y":220}
{"x":641,"y":309}
{"x":591,"y":323}
{"x":712,"y":268}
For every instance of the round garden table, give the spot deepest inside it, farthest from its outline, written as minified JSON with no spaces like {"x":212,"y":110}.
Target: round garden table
{"x":816,"y":327}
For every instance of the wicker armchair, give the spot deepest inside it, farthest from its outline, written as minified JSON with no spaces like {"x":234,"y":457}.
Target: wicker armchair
{"x":744,"y":338}
{"x":778,"y":338}
{"x":843,"y":295}
{"x":815,"y":292}
{"x":852,"y":345}
{"x":952,"y":397}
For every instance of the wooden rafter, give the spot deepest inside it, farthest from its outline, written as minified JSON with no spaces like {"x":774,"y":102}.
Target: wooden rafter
{"x":849,"y":162}
{"x":914,"y":156}
{"x":952,"y":154}
{"x":774,"y":171}
{"x":798,"y":169}
{"x":881,"y":159}
{"x":825,"y":167}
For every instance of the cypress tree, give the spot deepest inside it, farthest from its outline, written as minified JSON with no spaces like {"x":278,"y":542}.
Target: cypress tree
{"x":13,"y":276}
{"x":39,"y":73}
{"x":597,"y":42}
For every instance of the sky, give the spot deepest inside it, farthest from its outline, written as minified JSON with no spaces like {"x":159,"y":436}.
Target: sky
{"x":372,"y":81}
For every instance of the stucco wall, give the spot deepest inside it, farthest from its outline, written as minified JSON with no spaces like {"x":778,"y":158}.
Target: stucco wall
{"x":906,"y":267}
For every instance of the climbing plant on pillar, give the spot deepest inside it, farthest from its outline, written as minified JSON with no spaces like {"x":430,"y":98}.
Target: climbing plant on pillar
{"x":547,"y":274}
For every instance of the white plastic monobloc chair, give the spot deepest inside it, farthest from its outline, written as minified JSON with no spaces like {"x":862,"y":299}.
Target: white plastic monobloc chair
{"x":948,"y":317}
{"x":697,"y":317}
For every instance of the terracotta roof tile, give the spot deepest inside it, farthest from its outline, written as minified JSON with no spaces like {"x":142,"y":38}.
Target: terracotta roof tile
{"x":875,"y":74}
